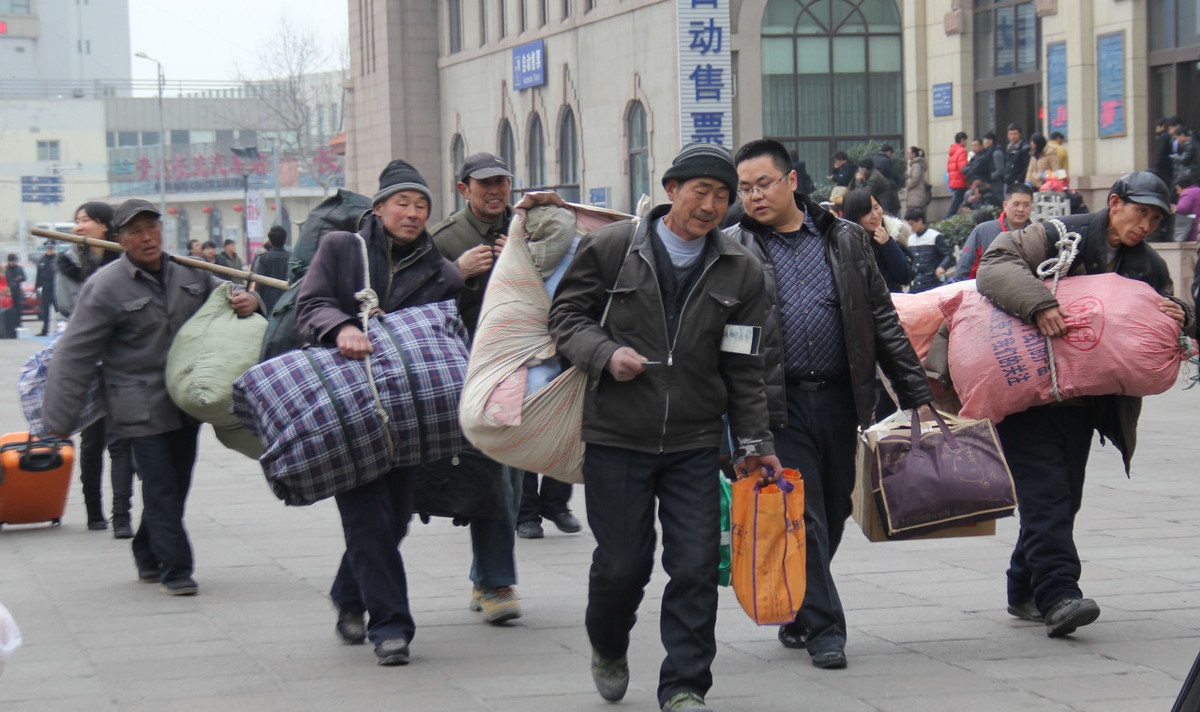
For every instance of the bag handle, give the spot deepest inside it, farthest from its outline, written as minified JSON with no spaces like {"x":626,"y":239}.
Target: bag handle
{"x":915,"y":429}
{"x":370,"y":301}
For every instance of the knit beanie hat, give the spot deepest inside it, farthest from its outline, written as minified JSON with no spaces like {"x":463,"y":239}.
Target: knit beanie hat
{"x":397,"y":176}
{"x":703,"y":160}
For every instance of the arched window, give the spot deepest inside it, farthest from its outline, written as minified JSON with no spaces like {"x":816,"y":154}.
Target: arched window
{"x":832,"y":75}
{"x":568,"y":158}
{"x":507,"y":146}
{"x":639,"y":153}
{"x":458,"y":152}
{"x":537,"y":154}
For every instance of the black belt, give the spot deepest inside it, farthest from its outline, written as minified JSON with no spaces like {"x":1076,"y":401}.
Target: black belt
{"x":808,"y":384}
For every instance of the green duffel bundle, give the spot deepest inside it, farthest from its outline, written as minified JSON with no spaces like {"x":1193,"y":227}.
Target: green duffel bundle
{"x":210,"y":351}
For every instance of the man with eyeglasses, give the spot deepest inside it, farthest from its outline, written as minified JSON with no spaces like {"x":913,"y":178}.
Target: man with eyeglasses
{"x":829,"y":321}
{"x":663,"y":315}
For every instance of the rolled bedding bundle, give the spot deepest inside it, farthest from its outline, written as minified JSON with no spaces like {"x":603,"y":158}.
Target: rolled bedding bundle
{"x":328,"y":423}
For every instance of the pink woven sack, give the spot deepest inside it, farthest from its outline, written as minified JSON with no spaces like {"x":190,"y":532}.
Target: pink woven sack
{"x":1118,"y":342}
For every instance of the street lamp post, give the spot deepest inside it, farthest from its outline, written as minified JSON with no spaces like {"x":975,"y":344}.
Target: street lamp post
{"x":162,"y":135}
{"x":247,"y":154}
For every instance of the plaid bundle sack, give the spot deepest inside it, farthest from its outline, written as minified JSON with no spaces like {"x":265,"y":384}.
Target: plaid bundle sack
{"x":31,"y":385}
{"x":325,"y":429}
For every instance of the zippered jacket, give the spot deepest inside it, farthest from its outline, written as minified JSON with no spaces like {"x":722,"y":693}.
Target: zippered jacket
{"x":676,"y":404}
{"x":869,"y":322}
{"x":326,"y":299}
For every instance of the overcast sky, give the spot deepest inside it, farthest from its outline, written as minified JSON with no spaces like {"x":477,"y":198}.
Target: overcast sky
{"x":213,"y":39}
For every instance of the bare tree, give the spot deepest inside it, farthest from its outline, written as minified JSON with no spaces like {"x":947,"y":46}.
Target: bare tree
{"x":304,"y":80}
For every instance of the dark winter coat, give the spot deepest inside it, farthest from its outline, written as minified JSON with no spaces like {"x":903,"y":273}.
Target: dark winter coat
{"x":869,"y":322}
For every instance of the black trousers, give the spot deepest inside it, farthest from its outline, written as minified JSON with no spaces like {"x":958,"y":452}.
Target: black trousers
{"x":92,"y":443}
{"x":165,"y":463}
{"x":551,"y":500}
{"x":622,"y":486}
{"x":371,"y":576}
{"x":819,"y":442}
{"x":1047,"y":450}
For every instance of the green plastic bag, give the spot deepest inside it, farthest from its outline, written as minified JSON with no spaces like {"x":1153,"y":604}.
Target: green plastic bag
{"x":726,"y":549}
{"x":208,"y":354}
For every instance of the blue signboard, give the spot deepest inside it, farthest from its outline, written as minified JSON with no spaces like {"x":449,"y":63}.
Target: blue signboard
{"x":529,"y":65}
{"x":943,"y":99}
{"x":598,"y":197}
{"x":41,"y":189}
{"x":1056,"y":87}
{"x":1110,"y":66}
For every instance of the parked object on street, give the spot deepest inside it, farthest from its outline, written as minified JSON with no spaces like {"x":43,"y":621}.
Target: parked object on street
{"x":35,"y":479}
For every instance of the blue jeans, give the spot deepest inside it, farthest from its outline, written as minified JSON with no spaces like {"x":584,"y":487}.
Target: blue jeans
{"x":494,"y":541}
{"x":621,"y":488}
{"x":371,"y":576}
{"x":164,"y":462}
{"x":819,"y":441}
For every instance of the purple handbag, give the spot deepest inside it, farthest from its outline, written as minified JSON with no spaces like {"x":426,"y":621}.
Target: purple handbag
{"x":940,"y":477}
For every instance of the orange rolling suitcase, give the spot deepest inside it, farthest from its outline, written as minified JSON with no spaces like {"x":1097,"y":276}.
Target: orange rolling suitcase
{"x":34,"y":479}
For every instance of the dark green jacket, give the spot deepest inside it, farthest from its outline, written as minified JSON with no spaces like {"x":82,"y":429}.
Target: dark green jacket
{"x":459,"y":233}
{"x":676,"y":404}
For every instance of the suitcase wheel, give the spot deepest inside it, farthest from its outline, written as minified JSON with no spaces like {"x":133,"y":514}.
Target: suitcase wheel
{"x":56,"y":521}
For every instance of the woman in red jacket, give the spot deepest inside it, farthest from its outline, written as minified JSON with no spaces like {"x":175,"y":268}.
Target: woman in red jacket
{"x":956,"y":181}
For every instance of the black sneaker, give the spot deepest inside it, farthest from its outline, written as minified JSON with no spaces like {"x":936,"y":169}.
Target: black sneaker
{"x":793,"y":636}
{"x":565,"y":521}
{"x":610,"y":675}
{"x":1070,"y":613}
{"x":530,"y":530}
{"x":350,"y":627}
{"x":122,"y":529}
{"x":830,"y":660}
{"x":392,"y":652}
{"x":1026,"y":610}
{"x":149,"y":575}
{"x":185,"y":586}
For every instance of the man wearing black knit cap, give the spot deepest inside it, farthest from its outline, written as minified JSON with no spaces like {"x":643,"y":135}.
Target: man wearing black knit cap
{"x":664,"y":314}
{"x":405,"y":271}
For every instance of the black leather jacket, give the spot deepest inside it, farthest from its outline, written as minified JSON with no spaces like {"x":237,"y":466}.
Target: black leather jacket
{"x":872,"y":329}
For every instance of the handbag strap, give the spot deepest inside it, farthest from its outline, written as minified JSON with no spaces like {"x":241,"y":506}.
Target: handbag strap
{"x":337,"y":409}
{"x":418,"y":409}
{"x":915,"y":429}
{"x":370,"y":301}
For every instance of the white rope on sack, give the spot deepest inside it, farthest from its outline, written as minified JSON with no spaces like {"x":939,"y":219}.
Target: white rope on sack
{"x":370,"y":301}
{"x":1057,"y":267}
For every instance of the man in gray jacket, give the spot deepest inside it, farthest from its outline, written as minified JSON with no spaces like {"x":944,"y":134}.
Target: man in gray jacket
{"x":126,"y":317}
{"x":663,"y":315}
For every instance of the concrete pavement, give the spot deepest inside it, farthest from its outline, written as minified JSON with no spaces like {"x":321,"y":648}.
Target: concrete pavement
{"x":928,"y":630}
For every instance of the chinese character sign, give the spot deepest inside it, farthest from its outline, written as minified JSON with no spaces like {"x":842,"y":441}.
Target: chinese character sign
{"x":254,"y":215}
{"x":1056,"y":87}
{"x":529,"y":65}
{"x":705,"y":74}
{"x":1110,"y":66}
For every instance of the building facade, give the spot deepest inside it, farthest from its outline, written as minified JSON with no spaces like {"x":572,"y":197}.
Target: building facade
{"x":610,"y":96}
{"x":64,"y":44}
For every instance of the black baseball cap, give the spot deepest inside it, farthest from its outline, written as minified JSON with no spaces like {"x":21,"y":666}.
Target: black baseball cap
{"x":132,"y":208}
{"x":1143,"y":187}
{"x":483,"y":165}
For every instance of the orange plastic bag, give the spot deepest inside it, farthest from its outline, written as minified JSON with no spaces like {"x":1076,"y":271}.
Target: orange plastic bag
{"x":767,"y":536}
